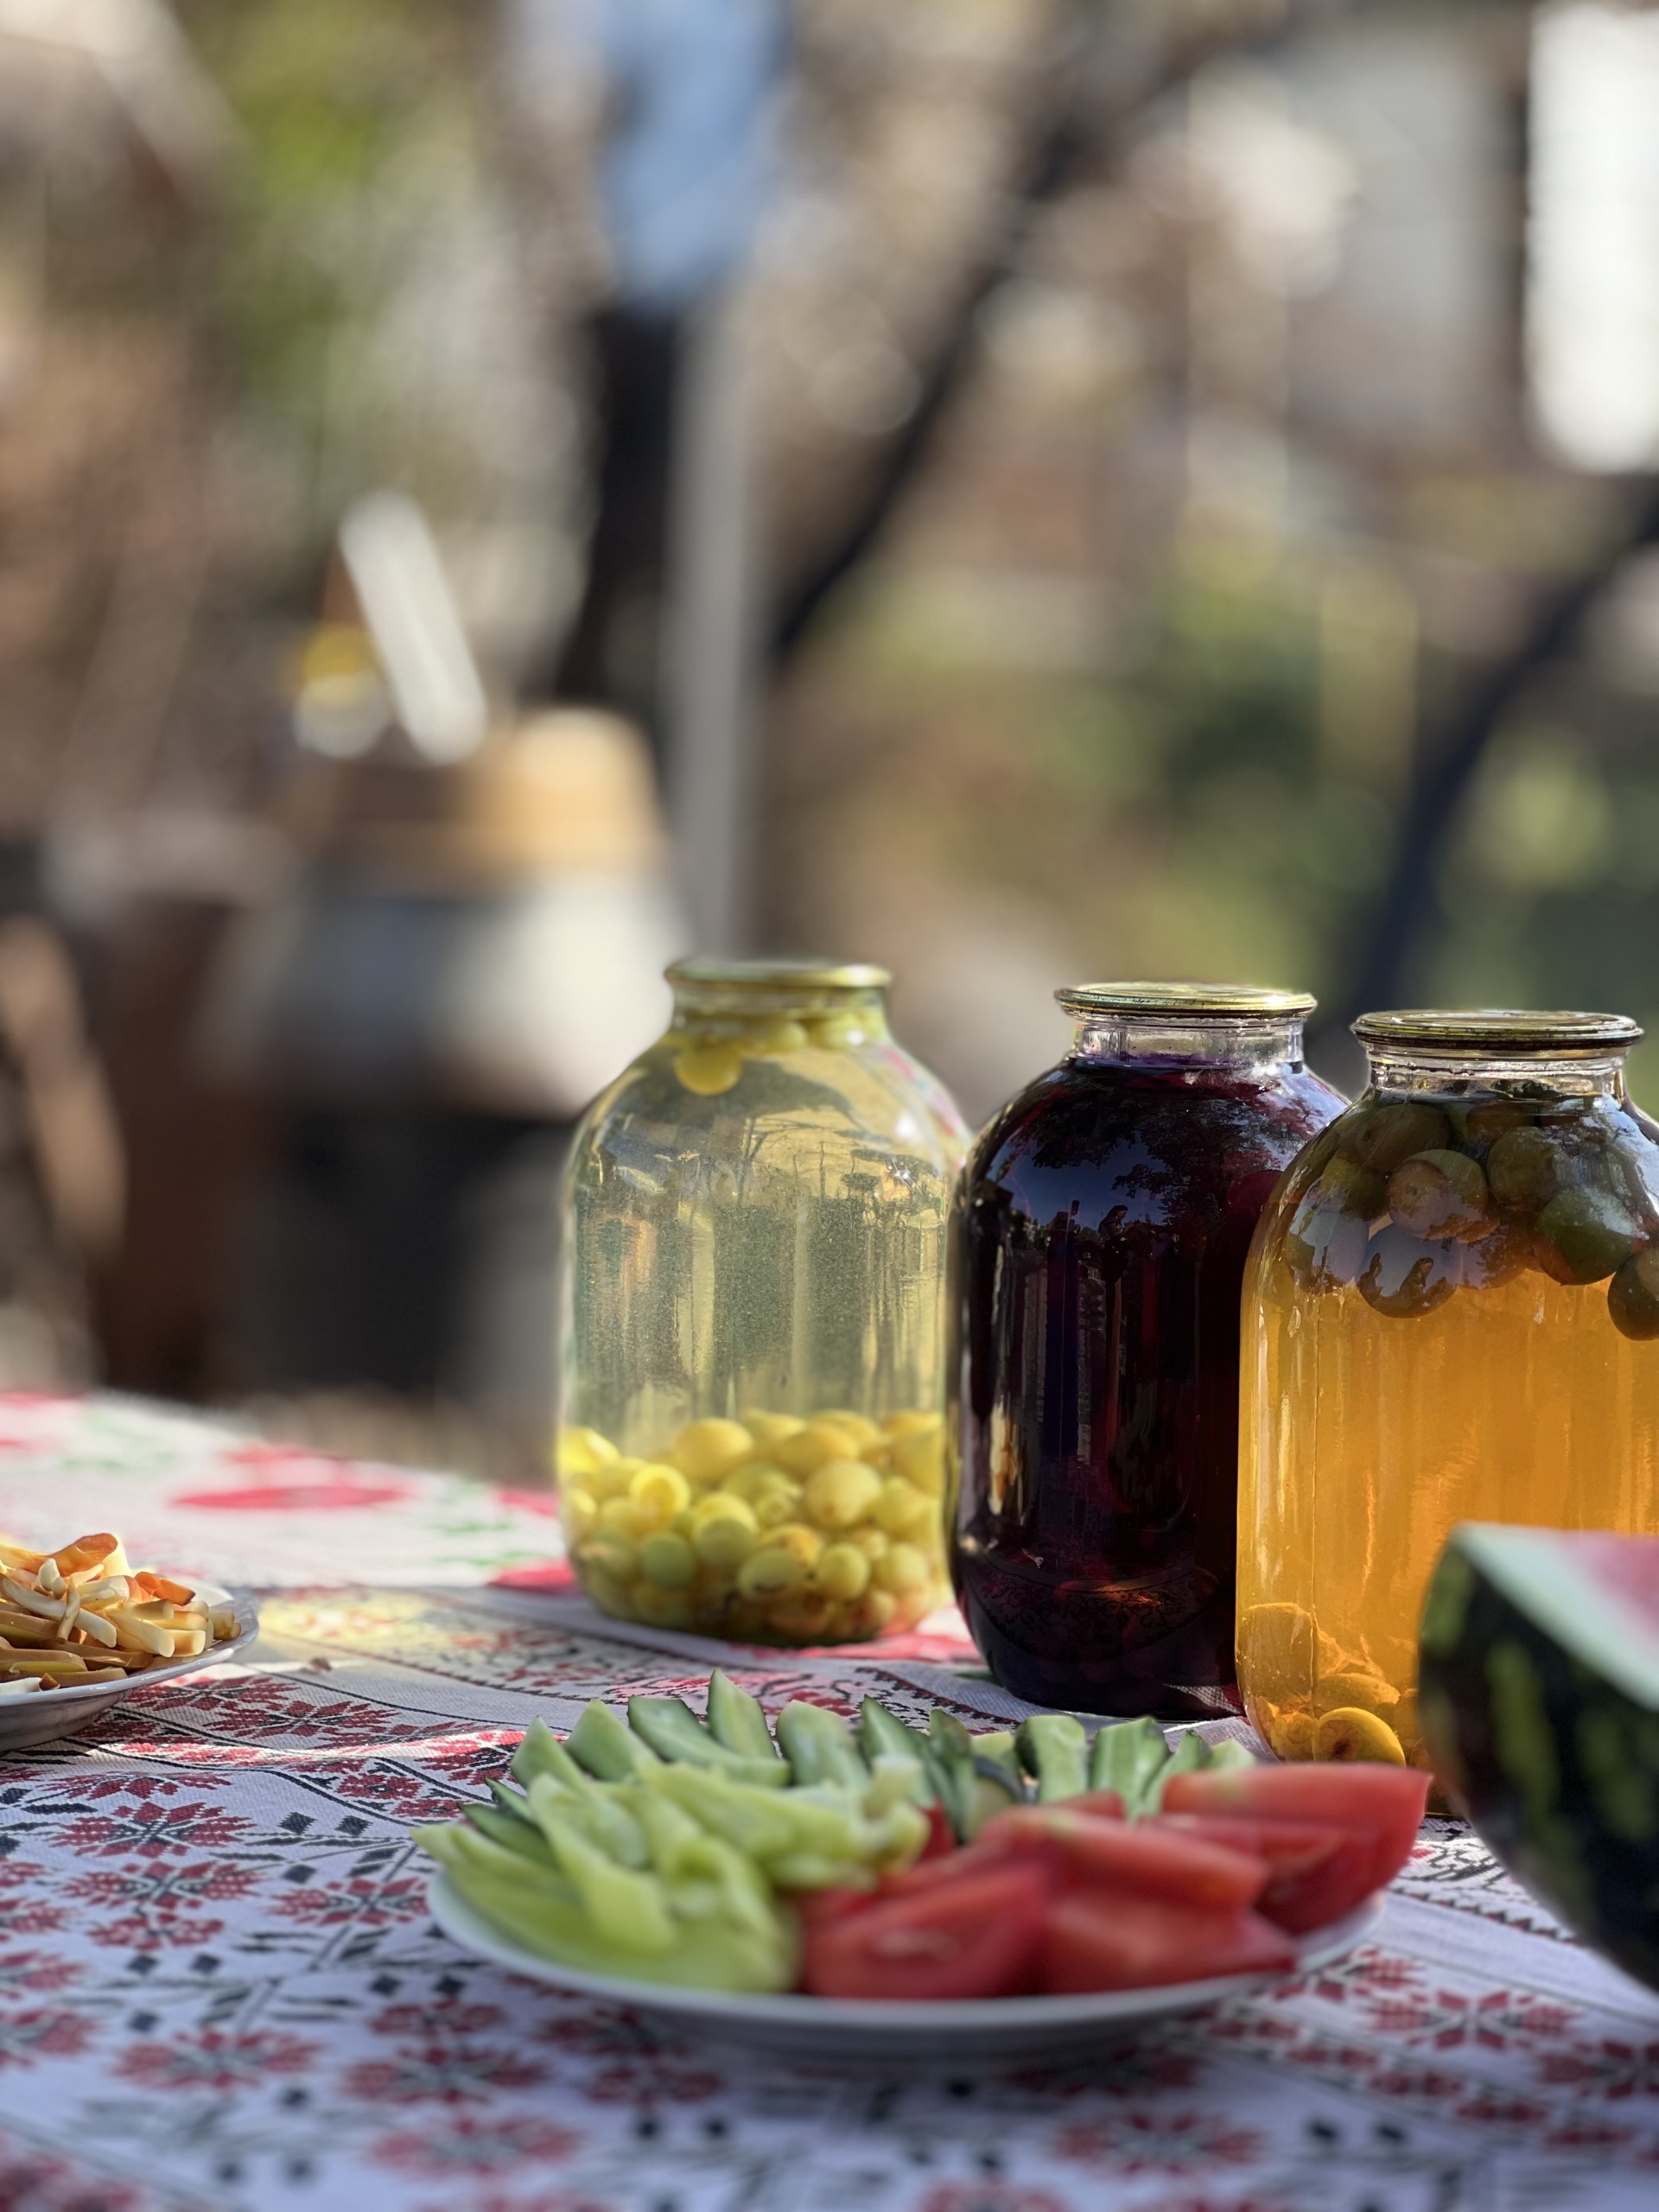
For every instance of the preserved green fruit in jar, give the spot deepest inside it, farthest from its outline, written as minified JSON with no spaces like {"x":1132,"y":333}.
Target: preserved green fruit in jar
{"x":1382,"y":1137}
{"x":1405,"y":1276}
{"x":1633,"y":1295}
{"x":753,"y":1440}
{"x":1588,"y":1235}
{"x":1485,"y":1359}
{"x":1526,"y":1168}
{"x":1441,"y":1194}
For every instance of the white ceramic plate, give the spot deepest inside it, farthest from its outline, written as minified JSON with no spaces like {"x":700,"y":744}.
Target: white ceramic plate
{"x":1003,"y":2029}
{"x":42,"y":1716}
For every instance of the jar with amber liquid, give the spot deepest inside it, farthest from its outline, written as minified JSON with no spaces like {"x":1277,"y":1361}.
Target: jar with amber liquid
{"x":1452,"y":1313}
{"x":753,"y":1441}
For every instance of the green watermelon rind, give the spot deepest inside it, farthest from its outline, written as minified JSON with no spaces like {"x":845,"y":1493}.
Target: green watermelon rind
{"x":1552,"y":1577}
{"x":1527,"y":1711}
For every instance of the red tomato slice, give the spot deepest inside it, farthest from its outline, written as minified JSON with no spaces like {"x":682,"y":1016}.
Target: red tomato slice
{"x":941,"y":1836}
{"x":1316,"y":1873}
{"x":1095,"y":1941}
{"x":1105,"y":1804}
{"x":818,"y":1908}
{"x":977,"y":1937}
{"x":1136,"y":1858}
{"x":1384,"y":1804}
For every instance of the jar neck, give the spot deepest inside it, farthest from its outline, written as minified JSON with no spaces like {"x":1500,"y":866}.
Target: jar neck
{"x":1592,"y":1075}
{"x":700,"y":1005}
{"x":1267,"y":1042}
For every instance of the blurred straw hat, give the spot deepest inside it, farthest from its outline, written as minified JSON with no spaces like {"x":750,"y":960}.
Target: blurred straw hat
{"x":570,"y":790}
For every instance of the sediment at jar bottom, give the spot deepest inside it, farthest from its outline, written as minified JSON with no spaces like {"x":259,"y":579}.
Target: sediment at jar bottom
{"x":772,"y":1528}
{"x":1308,"y":1698}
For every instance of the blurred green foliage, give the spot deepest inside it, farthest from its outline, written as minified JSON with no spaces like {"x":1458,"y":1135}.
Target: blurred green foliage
{"x":335,"y":100}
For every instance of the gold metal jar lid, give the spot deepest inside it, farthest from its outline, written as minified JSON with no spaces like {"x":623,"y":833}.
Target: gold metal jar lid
{"x":799,"y":975}
{"x":1497,"y":1033}
{"x":1184,"y":1002}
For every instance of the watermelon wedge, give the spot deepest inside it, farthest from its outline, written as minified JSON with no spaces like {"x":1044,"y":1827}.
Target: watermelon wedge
{"x":1539,"y":1700}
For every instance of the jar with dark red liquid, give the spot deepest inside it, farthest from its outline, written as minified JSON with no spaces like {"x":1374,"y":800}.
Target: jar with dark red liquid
{"x":1100,"y":1238}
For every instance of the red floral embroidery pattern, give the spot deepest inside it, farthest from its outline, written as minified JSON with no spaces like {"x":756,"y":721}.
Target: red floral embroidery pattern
{"x":365,"y":1901}
{"x":211,"y":2060}
{"x":155,"y":1829}
{"x":443,"y":2073}
{"x":989,"y":2197}
{"x":1605,"y":2069}
{"x":1156,"y":2141}
{"x":31,"y":2183}
{"x":40,"y":2033}
{"x":163,"y":1900}
{"x":21,"y":1915}
{"x":215,"y":1952}
{"x":469,"y":2146}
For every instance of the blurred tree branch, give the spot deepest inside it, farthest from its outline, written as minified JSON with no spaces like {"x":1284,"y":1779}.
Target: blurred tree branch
{"x":1109,"y":67}
{"x":1454,"y":758}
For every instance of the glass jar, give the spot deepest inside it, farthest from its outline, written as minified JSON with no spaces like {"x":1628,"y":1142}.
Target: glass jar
{"x":1102,"y":1227}
{"x":752,"y":1443}
{"x":1450,"y":1315}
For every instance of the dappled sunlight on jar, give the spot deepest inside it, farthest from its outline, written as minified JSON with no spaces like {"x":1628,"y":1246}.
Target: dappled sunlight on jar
{"x":1450,"y":1316}
{"x":753,"y":1440}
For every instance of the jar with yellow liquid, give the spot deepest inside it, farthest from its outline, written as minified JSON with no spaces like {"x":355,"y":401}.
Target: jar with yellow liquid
{"x":753,"y":1441}
{"x":1450,"y":1313}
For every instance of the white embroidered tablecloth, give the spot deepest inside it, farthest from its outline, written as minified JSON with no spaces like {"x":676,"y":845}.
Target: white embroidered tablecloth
{"x":220,"y":1987}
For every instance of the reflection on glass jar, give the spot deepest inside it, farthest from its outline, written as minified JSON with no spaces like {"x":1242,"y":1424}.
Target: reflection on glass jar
{"x":1449,"y":1317}
{"x":754,"y":1442}
{"x":1105,"y":1218}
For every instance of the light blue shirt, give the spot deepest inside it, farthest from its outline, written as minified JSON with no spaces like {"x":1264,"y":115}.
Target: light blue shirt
{"x":688,"y":160}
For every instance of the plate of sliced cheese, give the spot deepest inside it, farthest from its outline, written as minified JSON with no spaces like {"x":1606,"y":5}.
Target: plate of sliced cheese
{"x":80,"y":1627}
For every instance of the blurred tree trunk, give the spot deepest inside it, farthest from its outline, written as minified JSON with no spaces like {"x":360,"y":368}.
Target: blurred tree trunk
{"x":1453,"y":757}
{"x":1116,"y":65}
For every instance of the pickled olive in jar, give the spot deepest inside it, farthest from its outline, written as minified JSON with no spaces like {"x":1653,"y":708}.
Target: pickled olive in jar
{"x":1382,"y":1137}
{"x":1633,"y":1296}
{"x":1404,"y":1277}
{"x":1441,"y":1194}
{"x":754,"y":1387}
{"x":1102,"y":1227}
{"x":1487,"y":1362}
